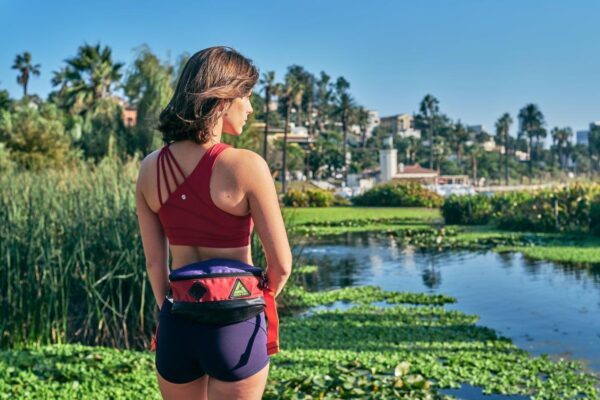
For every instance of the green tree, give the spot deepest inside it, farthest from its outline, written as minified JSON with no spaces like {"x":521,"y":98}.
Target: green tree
{"x":26,"y":69}
{"x":429,"y":110}
{"x":148,"y":87}
{"x":289,"y":91}
{"x":5,"y":100}
{"x":460,"y":136}
{"x":324,"y":96}
{"x":103,"y":131}
{"x":531,"y":122}
{"x":474,"y":151}
{"x":362,"y":119}
{"x":593,"y":148}
{"x":502,"y":135}
{"x":344,"y":108}
{"x":268,"y":83}
{"x":35,"y":138}
{"x":87,"y":77}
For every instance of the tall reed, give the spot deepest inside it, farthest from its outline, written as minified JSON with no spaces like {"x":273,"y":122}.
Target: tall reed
{"x":73,"y":267}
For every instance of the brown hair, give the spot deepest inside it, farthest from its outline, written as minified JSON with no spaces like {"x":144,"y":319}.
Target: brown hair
{"x":211,"y":77}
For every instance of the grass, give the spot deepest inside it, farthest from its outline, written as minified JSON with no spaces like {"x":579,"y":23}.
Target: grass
{"x":563,"y":254}
{"x":332,"y":214}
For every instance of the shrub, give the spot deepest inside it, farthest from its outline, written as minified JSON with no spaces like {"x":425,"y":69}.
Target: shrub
{"x":398,"y":194}
{"x":467,"y":210}
{"x":549,"y":210}
{"x":595,"y":216}
{"x":35,"y":139}
{"x":309,"y":198}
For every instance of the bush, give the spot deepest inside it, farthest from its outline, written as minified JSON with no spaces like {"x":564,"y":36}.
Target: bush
{"x":35,"y":139}
{"x":399,"y":194}
{"x":571,"y":208}
{"x":309,"y":198}
{"x":467,"y":210}
{"x":595,"y":216}
{"x":550,"y":210}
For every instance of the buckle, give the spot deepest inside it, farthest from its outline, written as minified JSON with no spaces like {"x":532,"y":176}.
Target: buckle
{"x":263,"y":282}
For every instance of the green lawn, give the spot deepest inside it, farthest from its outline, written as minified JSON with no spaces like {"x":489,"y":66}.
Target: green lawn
{"x":565,"y":254}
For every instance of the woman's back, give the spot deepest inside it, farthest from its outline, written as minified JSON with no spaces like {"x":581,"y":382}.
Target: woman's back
{"x":181,"y":178}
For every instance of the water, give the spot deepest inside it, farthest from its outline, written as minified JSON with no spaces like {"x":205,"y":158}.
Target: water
{"x":543,"y":307}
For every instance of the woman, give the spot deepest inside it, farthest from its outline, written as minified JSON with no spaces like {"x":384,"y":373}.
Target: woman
{"x":200,"y":199}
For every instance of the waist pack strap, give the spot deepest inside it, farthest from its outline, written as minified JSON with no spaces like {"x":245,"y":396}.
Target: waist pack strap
{"x":153,"y":339}
{"x":272,"y":322}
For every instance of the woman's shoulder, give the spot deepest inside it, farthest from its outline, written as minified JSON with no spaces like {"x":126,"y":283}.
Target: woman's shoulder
{"x":248,"y":167}
{"x":242,"y":159}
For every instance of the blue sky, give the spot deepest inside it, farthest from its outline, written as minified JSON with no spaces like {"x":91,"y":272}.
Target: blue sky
{"x":480,"y":58}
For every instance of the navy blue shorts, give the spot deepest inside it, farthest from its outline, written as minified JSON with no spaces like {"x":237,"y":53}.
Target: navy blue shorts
{"x":186,"y":350}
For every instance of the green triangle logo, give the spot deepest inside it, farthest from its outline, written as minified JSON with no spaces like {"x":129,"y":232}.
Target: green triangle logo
{"x":239,"y":290}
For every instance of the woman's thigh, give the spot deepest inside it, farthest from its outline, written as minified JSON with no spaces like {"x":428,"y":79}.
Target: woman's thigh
{"x":251,"y":388}
{"x":194,"y":390}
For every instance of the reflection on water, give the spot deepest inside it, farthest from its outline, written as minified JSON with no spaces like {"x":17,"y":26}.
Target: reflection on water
{"x":475,"y":393}
{"x":543,"y":307}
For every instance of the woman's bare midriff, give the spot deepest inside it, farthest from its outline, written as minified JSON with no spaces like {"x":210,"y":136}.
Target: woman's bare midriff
{"x":184,"y":255}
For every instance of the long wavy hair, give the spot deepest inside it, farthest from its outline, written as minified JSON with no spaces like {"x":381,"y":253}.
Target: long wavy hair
{"x":212,"y":77}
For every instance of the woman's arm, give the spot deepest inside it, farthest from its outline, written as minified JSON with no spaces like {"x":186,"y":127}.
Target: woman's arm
{"x":268,"y":222}
{"x":154,"y":241}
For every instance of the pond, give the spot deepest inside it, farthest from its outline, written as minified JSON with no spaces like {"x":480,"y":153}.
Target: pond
{"x":543,"y":307}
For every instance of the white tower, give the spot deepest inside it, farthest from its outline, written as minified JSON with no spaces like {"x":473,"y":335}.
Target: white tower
{"x":388,"y":160}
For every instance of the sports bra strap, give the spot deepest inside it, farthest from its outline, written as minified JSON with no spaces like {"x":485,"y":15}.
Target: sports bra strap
{"x":165,"y":155}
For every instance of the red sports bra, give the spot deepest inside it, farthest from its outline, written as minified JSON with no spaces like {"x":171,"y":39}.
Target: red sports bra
{"x":189,"y":216}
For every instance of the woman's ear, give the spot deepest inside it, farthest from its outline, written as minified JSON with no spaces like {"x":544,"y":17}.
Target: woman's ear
{"x":224,"y":106}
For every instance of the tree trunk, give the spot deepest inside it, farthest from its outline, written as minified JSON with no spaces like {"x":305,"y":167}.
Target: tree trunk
{"x":268,"y":99}
{"x":283,"y":160}
{"x":474,"y":168}
{"x":506,"y":159}
{"x":345,"y":128}
{"x":530,"y":152}
{"x":430,"y":146}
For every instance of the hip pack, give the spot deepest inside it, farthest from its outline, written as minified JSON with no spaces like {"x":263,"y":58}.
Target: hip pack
{"x":224,"y":291}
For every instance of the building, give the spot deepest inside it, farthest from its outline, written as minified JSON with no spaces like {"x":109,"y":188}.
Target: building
{"x":582,"y":137}
{"x":129,"y":116}
{"x":400,"y":125}
{"x":390,"y":169}
{"x":416,"y":173}
{"x":476,"y":129}
{"x":372,"y":123}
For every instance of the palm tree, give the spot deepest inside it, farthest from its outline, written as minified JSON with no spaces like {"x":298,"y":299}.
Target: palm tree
{"x":412,"y":146}
{"x":288,"y":92}
{"x":323,"y":99}
{"x":502,"y":128}
{"x":460,"y":136}
{"x":268,"y":82}
{"x":474,"y":150}
{"x":362,"y":119}
{"x":26,"y":70}
{"x":439,"y":151}
{"x":531,"y":122}
{"x":563,"y":143}
{"x":89,"y":76}
{"x":344,"y":109}
{"x":593,"y":147}
{"x":429,"y":110}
